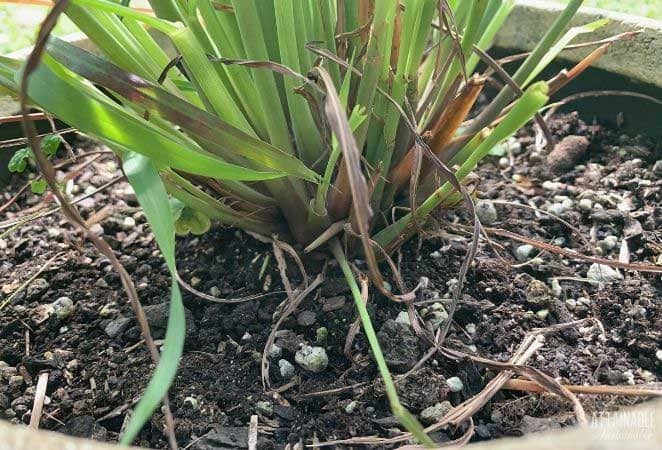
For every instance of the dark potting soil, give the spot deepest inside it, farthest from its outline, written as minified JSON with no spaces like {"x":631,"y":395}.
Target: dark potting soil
{"x":609,"y":192}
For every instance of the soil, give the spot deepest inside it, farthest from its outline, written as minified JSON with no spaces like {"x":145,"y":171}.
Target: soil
{"x":611,"y":197}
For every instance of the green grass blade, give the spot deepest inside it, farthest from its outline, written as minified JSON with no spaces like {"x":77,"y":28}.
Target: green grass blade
{"x":506,"y":94}
{"x":251,"y":31}
{"x":309,"y":141}
{"x":152,"y":196}
{"x":398,"y":410}
{"x":93,"y":114}
{"x":214,"y":134}
{"x":532,"y":100}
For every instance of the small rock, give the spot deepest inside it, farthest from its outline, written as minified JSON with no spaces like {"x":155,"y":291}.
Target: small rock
{"x":321,"y":335}
{"x":157,"y":318}
{"x":585,"y":204}
{"x":101,"y":283}
{"x":556,"y":208}
{"x":333,"y":303}
{"x":247,"y":337}
{"x":84,"y":427}
{"x":471,"y":328}
{"x":215,"y":291}
{"x":455,"y":384}
{"x":433,"y":414}
{"x":313,"y":359}
{"x":403,"y":317}
{"x":542,"y":314}
{"x":286,"y":369}
{"x":129,"y":223}
{"x":608,"y":243}
{"x":435,"y":315}
{"x":567,"y":153}
{"x":221,"y":437}
{"x":399,"y":344}
{"x":537,"y":293}
{"x":628,"y":377}
{"x":602,"y":274}
{"x":306,"y":318}
{"x":536,"y":424}
{"x":63,"y":308}
{"x":657,"y":168}
{"x":37,"y":287}
{"x":265,"y":408}
{"x":648,"y":376}
{"x":16,"y":381}
{"x":195,"y":281}
{"x":351,"y":406}
{"x":275,"y":351}
{"x":658,"y":355}
{"x":486,"y":212}
{"x":504,"y":162}
{"x":523,"y":252}
{"x":117,"y":326}
{"x":192,"y":402}
{"x":557,"y":290}
{"x":571,"y":303}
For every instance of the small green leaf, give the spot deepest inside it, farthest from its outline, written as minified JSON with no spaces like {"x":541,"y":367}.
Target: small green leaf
{"x":38,"y":186}
{"x":188,"y":220}
{"x":19,"y":162}
{"x":50,"y":144}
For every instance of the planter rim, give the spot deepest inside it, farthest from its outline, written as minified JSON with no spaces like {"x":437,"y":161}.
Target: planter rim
{"x":633,"y":428}
{"x":638,"y":57}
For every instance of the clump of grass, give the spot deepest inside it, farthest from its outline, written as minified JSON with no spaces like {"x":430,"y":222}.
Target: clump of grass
{"x":305,"y":119}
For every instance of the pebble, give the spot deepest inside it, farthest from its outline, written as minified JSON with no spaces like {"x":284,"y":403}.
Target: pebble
{"x":403,"y":317}
{"x":537,"y":293}
{"x":433,"y":414}
{"x":192,"y":402}
{"x":455,"y":384}
{"x":306,"y":318}
{"x":63,"y":307}
{"x":471,"y":328}
{"x":557,"y":290}
{"x":266,"y":408}
{"x":571,"y":303}
{"x":602,"y":274}
{"x":648,"y":376}
{"x":628,"y":376}
{"x":351,"y":406}
{"x":215,"y":291}
{"x":37,"y":287}
{"x":321,"y":334}
{"x":556,"y":208}
{"x":486,"y":212}
{"x":523,"y":252}
{"x":504,"y":162}
{"x":101,"y":283}
{"x":657,"y":167}
{"x":608,"y":243}
{"x":286,"y":369}
{"x":16,"y":381}
{"x":567,"y":153}
{"x":585,"y":204}
{"x":275,"y":351}
{"x":333,"y":303}
{"x":435,"y":315}
{"x":542,"y":314}
{"x":195,"y":281}
{"x":313,"y":359}
{"x":658,"y":355}
{"x":117,"y":326}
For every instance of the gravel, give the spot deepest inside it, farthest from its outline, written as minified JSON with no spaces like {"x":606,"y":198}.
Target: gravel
{"x":486,"y":212}
{"x":312,"y":359}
